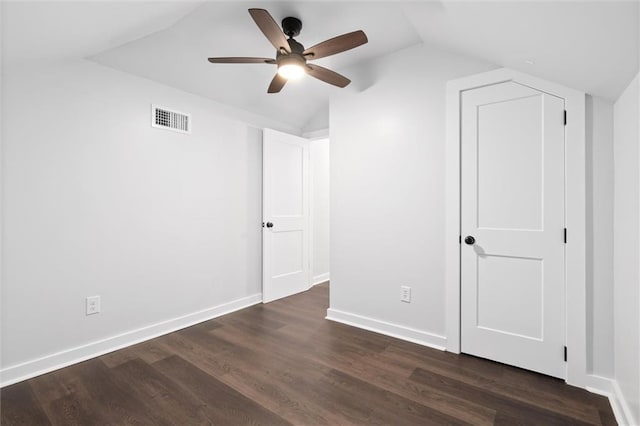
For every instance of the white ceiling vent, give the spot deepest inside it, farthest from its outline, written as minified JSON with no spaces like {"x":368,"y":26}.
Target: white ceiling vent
{"x":164,"y":118}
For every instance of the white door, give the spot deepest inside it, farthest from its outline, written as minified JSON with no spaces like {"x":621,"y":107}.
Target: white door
{"x":512,"y":184}
{"x":285,"y":206}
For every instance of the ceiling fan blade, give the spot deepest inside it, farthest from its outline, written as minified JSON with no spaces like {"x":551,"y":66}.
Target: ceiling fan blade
{"x":277,"y":84}
{"x":242,"y":60}
{"x":337,"y":44}
{"x":270,"y":29}
{"x":327,"y":75}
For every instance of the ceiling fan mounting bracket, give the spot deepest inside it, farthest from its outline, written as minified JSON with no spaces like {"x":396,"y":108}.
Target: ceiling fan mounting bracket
{"x":291,"y":26}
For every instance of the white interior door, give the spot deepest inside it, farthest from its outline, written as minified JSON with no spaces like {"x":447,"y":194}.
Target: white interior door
{"x":285,"y":231}
{"x":512,"y":204}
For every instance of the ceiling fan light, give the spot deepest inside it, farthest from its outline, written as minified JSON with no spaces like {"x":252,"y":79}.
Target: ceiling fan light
{"x":291,"y":71}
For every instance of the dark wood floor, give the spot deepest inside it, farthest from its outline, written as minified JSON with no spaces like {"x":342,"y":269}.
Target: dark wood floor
{"x":283,"y":363}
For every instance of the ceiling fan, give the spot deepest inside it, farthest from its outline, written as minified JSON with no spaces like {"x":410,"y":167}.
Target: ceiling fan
{"x":291,"y":57}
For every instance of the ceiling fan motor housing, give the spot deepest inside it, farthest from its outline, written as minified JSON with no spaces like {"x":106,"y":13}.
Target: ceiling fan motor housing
{"x":295,"y":57}
{"x":295,"y":46}
{"x":291,"y":26}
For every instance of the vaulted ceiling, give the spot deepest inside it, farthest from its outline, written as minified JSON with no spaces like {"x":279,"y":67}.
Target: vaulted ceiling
{"x":591,"y":46}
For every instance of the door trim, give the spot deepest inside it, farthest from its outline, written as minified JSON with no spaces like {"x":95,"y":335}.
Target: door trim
{"x":575,"y":266}
{"x":313,"y":279}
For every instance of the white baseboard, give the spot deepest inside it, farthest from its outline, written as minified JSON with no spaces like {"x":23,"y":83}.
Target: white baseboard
{"x":388,"y":329}
{"x":621,"y":409}
{"x":609,"y":388}
{"x":600,"y":385}
{"x":319,"y":279}
{"x":26,"y":370}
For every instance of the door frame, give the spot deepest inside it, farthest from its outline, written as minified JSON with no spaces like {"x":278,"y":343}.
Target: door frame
{"x":575,"y":212}
{"x":314,"y":136}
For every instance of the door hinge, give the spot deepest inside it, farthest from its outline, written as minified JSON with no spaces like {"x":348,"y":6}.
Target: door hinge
{"x":459,"y":239}
{"x":565,"y":235}
{"x":565,"y":117}
{"x":565,"y":354}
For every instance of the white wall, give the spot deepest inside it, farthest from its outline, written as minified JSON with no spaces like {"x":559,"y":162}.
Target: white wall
{"x":627,"y":249}
{"x":96,"y":202}
{"x":318,"y":121}
{"x":388,"y":191}
{"x":319,"y":153}
{"x":599,"y":197}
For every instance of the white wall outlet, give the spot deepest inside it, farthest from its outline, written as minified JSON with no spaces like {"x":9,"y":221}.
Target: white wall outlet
{"x":93,"y":305}
{"x":405,"y":294}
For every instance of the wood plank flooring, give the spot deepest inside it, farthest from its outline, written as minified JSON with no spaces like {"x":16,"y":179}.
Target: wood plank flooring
{"x":283,"y":363}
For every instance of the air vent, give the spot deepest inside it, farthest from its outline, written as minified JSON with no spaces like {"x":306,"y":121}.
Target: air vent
{"x":164,"y":118}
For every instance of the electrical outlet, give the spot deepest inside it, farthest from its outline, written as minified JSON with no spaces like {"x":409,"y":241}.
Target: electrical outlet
{"x":93,"y":305}
{"x":405,"y":294}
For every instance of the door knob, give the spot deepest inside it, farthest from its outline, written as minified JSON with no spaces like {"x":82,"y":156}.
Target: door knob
{"x":468,"y":240}
{"x":269,"y":225}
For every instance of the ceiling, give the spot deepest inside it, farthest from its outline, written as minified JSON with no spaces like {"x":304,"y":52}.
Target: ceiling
{"x":178,"y":55}
{"x":37,"y":32}
{"x":591,"y":46}
{"x":588,"y":45}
